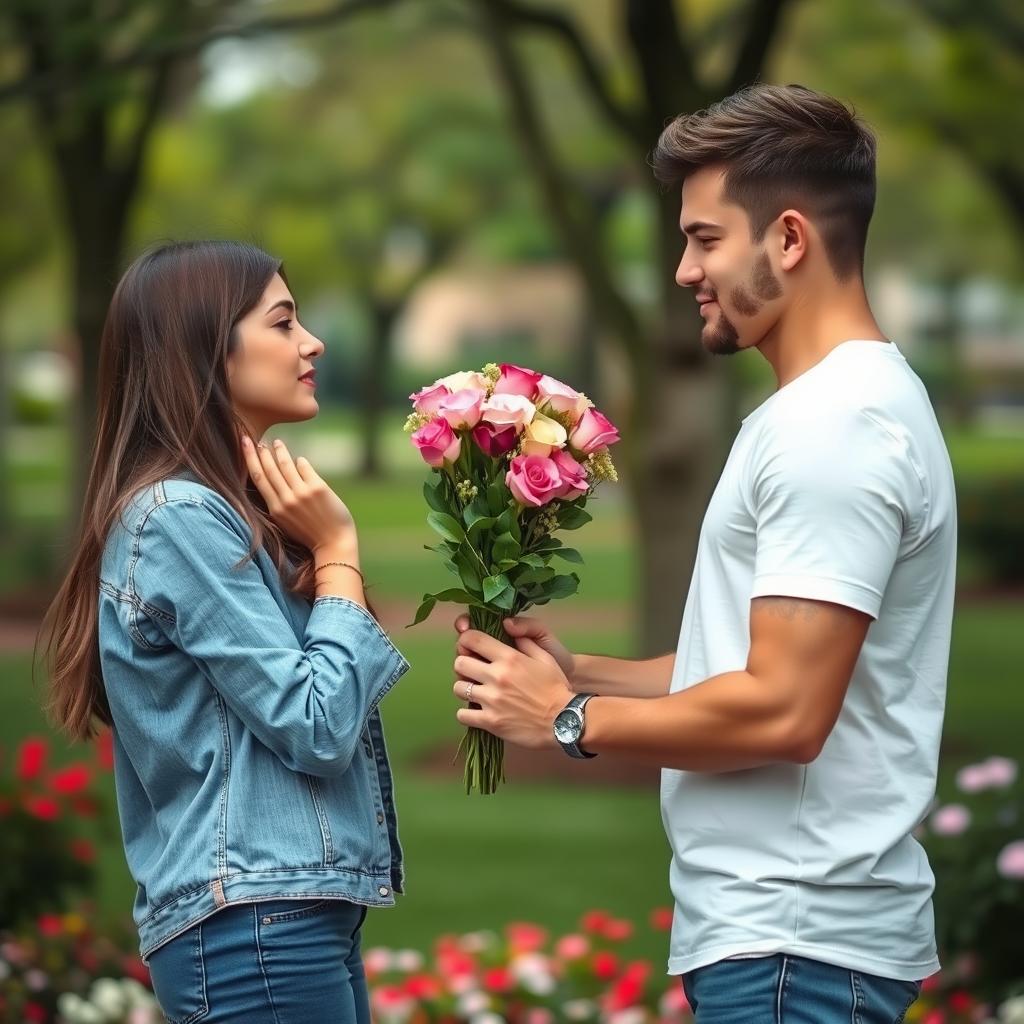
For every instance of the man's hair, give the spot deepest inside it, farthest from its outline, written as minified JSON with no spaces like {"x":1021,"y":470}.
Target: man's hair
{"x":783,"y":146}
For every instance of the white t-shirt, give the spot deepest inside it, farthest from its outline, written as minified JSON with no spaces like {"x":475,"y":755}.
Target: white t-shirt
{"x":838,"y":488}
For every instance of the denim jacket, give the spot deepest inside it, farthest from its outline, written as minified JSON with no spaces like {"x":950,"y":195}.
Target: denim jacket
{"x":249,"y":758}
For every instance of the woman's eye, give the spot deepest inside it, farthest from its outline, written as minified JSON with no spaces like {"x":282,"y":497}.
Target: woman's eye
{"x":286,"y":324}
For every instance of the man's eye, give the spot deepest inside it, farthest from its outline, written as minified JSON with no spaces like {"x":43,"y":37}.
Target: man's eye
{"x":706,"y":243}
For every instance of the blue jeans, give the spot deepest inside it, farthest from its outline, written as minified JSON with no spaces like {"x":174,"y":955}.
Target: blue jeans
{"x":271,"y":962}
{"x":786,"y":989}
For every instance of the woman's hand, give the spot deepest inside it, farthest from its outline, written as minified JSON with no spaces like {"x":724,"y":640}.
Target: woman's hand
{"x":298,"y":499}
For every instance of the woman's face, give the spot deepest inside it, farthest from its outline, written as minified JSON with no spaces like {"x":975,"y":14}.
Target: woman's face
{"x":270,"y":372}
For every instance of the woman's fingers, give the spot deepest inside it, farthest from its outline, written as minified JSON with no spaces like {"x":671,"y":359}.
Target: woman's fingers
{"x":287,"y":466}
{"x":256,"y":472}
{"x":269,"y":463}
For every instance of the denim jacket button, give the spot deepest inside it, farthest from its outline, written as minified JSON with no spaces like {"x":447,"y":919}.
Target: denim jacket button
{"x":380,"y":819}
{"x":383,"y":890}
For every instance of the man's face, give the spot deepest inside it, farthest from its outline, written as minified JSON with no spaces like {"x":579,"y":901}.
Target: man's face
{"x":734,"y":281}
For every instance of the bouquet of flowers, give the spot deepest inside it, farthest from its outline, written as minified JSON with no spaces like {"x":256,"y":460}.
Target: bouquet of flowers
{"x":516,"y":455}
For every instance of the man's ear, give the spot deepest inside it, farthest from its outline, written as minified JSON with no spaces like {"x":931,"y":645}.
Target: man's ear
{"x":793,"y":234}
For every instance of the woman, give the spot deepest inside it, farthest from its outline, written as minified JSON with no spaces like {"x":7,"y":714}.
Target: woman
{"x":214,"y":617}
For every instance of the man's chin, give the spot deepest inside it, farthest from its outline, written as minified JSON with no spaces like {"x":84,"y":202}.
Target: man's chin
{"x":720,"y":343}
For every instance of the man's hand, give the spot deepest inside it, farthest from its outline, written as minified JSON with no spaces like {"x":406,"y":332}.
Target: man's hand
{"x":525,"y":628}
{"x":519,"y":691}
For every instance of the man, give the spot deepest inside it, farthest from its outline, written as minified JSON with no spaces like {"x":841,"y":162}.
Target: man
{"x":798,"y":723}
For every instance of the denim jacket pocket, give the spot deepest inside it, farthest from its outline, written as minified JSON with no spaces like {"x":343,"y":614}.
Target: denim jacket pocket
{"x":178,"y":974}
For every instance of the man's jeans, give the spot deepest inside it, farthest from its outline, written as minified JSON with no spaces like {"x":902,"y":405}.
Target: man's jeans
{"x":786,"y":989}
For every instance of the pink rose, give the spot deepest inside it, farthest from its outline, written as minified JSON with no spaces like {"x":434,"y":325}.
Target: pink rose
{"x":593,"y":432}
{"x":429,"y":399}
{"x":560,"y":398}
{"x":1011,"y":860}
{"x":574,"y":476}
{"x":508,"y":411}
{"x":462,"y":408}
{"x":534,"y":480}
{"x":515,"y":380}
{"x":995,"y":773}
{"x":572,"y":947}
{"x":494,"y":441}
{"x":437,"y":443}
{"x":951,"y":820}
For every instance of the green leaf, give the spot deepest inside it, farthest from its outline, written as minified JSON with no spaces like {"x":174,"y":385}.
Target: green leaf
{"x":534,"y":561}
{"x":468,"y":569}
{"x":569,"y":554}
{"x":494,"y":586}
{"x":497,"y":498}
{"x":506,"y":599}
{"x":506,"y":564}
{"x":562,"y":586}
{"x":447,"y":526}
{"x":573,"y":518}
{"x":479,"y":525}
{"x":506,"y":547}
{"x":434,"y":495}
{"x":508,"y":522}
{"x":531,"y":576}
{"x":423,"y":611}
{"x":456,"y":595}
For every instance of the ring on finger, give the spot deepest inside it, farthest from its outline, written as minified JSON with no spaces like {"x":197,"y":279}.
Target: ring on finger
{"x":469,"y":692}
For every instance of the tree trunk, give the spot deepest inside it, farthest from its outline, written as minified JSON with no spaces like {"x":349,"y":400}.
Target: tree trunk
{"x":374,"y":396}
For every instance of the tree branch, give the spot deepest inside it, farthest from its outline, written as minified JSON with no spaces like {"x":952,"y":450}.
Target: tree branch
{"x":587,"y":64}
{"x":57,"y":79}
{"x":663,"y":60}
{"x":581,"y":241}
{"x":762,"y":27}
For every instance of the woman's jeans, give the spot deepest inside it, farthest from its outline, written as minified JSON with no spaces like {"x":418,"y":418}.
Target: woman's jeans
{"x":785,"y":989}
{"x":271,"y":962}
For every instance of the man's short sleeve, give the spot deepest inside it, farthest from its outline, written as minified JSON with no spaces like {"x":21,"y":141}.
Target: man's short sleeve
{"x":832,"y":497}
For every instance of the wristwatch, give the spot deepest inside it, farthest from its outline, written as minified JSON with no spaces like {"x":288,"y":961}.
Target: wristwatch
{"x":569,"y":726}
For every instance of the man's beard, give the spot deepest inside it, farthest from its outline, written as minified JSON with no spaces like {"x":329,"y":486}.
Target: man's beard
{"x":747,"y":299}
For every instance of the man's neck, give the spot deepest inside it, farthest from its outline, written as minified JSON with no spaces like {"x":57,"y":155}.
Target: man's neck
{"x":818,"y":321}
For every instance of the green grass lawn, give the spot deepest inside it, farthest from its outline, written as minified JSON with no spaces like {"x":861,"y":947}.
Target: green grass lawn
{"x":533,"y":852}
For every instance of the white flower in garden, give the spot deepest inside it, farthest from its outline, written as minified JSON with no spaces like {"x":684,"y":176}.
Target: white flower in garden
{"x":473,"y":1003}
{"x":1011,"y":860}
{"x":1012,"y":1011}
{"x":409,"y":961}
{"x":533,"y":971}
{"x":109,"y":998}
{"x":579,"y":1009}
{"x":951,"y":820}
{"x":68,"y":1006}
{"x":487,"y":1018}
{"x":633,"y":1015}
{"x":461,"y":984}
{"x":378,"y":960}
{"x":137,"y":995}
{"x":36,"y":980}
{"x":477,"y":942}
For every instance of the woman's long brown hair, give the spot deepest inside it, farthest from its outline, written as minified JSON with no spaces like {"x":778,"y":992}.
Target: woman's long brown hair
{"x":163,"y":407}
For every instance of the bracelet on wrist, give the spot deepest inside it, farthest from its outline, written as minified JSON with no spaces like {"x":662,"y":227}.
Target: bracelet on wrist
{"x":345,"y":565}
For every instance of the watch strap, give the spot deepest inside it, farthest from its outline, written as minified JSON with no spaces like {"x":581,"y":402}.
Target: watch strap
{"x":578,"y":703}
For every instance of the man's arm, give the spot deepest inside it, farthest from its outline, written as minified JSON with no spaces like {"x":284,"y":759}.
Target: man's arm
{"x":780,"y":707}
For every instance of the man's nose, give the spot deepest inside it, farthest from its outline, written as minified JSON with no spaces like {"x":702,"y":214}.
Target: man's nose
{"x":688,"y":274}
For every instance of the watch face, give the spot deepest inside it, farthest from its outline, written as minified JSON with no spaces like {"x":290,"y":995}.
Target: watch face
{"x":568,"y":727}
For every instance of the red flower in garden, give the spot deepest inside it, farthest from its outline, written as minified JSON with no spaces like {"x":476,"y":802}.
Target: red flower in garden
{"x":605,"y":965}
{"x":617,"y":930}
{"x":44,"y":807}
{"x":595,"y":921}
{"x":498,"y":979}
{"x":133,"y":967}
{"x":961,"y":1002}
{"x":5,"y":806}
{"x":49,"y":925}
{"x":661,"y":919}
{"x":105,"y":750}
{"x":84,"y":806}
{"x":422,"y":986}
{"x":625,"y":993}
{"x":71,"y":780}
{"x":34,"y":1012}
{"x":32,"y":756}
{"x":83,"y":850}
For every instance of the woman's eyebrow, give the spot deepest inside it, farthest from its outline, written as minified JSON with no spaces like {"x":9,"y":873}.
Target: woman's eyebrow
{"x":286,"y":303}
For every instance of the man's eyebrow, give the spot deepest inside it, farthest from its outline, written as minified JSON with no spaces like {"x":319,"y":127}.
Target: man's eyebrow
{"x":700,"y":225}
{"x":287,"y":303}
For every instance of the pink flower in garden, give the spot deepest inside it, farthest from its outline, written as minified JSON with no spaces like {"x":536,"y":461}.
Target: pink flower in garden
{"x":1011,"y":860}
{"x":593,"y":432}
{"x":43,"y":807}
{"x":524,"y":937}
{"x":936,"y":1016}
{"x":494,"y":441}
{"x":561,"y":398}
{"x":995,"y":773}
{"x":534,"y":480}
{"x":595,"y":920}
{"x":574,"y":476}
{"x":572,"y":947}
{"x":539,"y":1015}
{"x":508,"y":411}
{"x":437,"y":443}
{"x":498,"y":979}
{"x":517,"y":380}
{"x":951,"y":820}
{"x":429,"y":399}
{"x":462,"y":408}
{"x":72,"y":779}
{"x":32,"y":756}
{"x":617,"y":930}
{"x":674,"y":1001}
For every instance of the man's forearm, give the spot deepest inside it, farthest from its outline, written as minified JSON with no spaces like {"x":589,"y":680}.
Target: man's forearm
{"x":727,"y":723}
{"x":623,"y":677}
